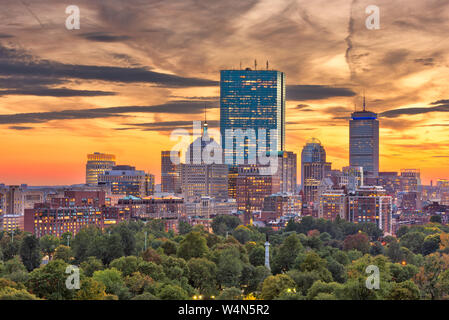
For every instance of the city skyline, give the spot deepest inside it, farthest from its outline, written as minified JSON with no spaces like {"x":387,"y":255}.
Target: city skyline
{"x":137,"y":73}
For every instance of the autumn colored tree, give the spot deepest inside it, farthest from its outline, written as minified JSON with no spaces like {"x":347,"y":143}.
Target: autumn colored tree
{"x":358,"y":241}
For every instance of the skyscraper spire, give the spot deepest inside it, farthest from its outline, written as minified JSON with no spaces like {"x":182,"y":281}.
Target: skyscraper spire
{"x":364,"y":104}
{"x":205,"y":120}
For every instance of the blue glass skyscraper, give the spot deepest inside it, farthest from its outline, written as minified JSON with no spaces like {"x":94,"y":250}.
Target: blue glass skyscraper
{"x":252,"y":99}
{"x":364,"y":141}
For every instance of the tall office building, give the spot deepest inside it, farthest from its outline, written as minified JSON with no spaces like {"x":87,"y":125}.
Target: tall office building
{"x":252,"y":188}
{"x":314,"y":168}
{"x":364,"y":141}
{"x":170,"y":173}
{"x":98,"y":163}
{"x":251,"y":99}
{"x":287,"y":169}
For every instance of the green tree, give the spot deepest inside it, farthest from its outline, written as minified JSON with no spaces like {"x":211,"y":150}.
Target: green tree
{"x":232,"y":293}
{"x":287,"y":253}
{"x":49,"y":282}
{"x":172,"y":292}
{"x":90,"y":290}
{"x":314,"y":263}
{"x":9,"y":293}
{"x":273,"y":286}
{"x":170,"y":247}
{"x":431,"y":244}
{"x":203,"y":275}
{"x":257,"y":256}
{"x":322,"y":287}
{"x":229,"y":267}
{"x":413,"y":241}
{"x":127,"y":265}
{"x":406,"y":290}
{"x":113,"y":282}
{"x":194,"y":245}
{"x":30,"y":252}
{"x":63,"y":253}
{"x":91,"y":265}
{"x":184,"y":227}
{"x":48,"y":244}
{"x":223,"y":224}
{"x":433,"y":278}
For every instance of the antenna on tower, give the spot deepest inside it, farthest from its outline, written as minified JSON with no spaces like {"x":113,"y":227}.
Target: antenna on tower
{"x":205,"y":120}
{"x":267,"y":64}
{"x":255,"y":64}
{"x":364,"y":104}
{"x":240,"y":64}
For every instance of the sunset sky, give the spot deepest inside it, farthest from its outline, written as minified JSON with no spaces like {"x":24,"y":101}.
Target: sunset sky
{"x":137,"y":69}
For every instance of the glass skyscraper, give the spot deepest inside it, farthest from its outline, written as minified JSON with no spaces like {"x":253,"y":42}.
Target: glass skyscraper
{"x":314,"y":168}
{"x":251,"y":99}
{"x":364,"y":141}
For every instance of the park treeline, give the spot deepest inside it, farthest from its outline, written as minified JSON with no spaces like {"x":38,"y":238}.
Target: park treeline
{"x":309,"y":260}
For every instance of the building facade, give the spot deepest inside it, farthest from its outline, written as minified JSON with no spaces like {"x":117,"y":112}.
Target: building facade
{"x":371,"y":204}
{"x":127,"y":180}
{"x":251,"y":99}
{"x":170,"y":173}
{"x":98,"y":163}
{"x":364,"y":141}
{"x":314,"y":168}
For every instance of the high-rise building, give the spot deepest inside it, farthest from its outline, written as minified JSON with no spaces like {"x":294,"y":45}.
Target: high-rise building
{"x":314,"y":168}
{"x":98,"y":163}
{"x":287,"y":169}
{"x":364,"y":141}
{"x":253,"y":187}
{"x":251,"y":99}
{"x":170,"y":173}
{"x":332,"y":204}
{"x":232,"y":181}
{"x":371,"y":204}
{"x":390,"y":181}
{"x":410,"y":179}
{"x":198,"y":180}
{"x":127,"y":180}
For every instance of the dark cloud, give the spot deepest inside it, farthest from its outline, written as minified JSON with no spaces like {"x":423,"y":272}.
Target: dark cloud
{"x":164,"y":126}
{"x":316,"y":92}
{"x":20,"y":128}
{"x":395,"y":57}
{"x":178,"y":107}
{"x":5,"y":36}
{"x":104,"y":37}
{"x":425,"y":61}
{"x":440,"y":106}
{"x":57,"y":92}
{"x":21,"y":82}
{"x":16,"y":63}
